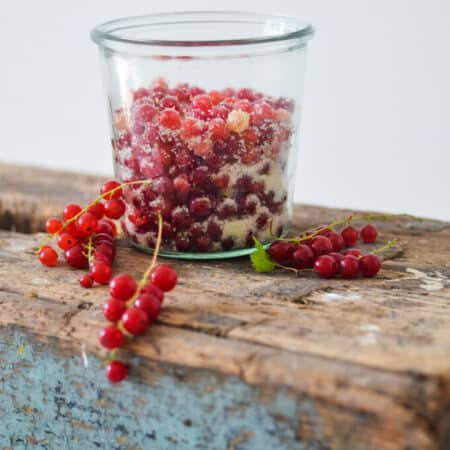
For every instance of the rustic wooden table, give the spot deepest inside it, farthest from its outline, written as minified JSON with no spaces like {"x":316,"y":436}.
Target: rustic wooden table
{"x":238,"y":360}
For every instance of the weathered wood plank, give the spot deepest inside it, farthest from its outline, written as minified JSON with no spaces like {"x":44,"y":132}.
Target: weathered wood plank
{"x":370,"y":356}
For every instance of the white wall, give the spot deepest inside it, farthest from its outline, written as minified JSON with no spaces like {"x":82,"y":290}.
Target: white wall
{"x":375,"y":131}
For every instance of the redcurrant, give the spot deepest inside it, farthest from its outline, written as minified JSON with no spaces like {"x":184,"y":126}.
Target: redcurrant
{"x":116,"y":371}
{"x":164,"y":277}
{"x":122,"y":287}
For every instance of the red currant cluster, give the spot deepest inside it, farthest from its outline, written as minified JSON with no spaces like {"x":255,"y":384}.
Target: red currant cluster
{"x":322,"y":250}
{"x":86,"y":236}
{"x":131,"y":308}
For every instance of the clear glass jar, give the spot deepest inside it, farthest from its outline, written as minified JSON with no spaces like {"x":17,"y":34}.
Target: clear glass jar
{"x":206,"y":105}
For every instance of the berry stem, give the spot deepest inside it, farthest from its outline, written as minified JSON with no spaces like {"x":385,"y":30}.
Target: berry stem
{"x":144,"y":280}
{"x":101,"y":197}
{"x":385,"y":247}
{"x":89,"y":247}
{"x":367,"y":217}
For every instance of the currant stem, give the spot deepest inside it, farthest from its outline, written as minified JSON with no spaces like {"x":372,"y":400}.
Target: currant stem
{"x":144,"y":280}
{"x":385,"y":247}
{"x":367,"y":217}
{"x":98,"y":199}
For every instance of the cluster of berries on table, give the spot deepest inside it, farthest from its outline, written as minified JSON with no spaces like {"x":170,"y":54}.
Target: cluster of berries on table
{"x":329,"y":253}
{"x":217,"y":160}
{"x":86,"y":236}
{"x":131,"y":309}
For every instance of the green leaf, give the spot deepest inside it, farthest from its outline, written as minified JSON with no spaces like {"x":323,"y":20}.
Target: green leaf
{"x":260,"y":259}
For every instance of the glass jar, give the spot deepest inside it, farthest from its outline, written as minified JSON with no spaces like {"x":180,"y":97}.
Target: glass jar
{"x":205,"y":105}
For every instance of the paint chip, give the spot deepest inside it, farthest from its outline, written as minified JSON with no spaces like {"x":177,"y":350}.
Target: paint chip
{"x":21,"y":349}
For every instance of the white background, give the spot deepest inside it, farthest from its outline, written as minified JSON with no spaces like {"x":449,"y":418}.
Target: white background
{"x":376,"y":118}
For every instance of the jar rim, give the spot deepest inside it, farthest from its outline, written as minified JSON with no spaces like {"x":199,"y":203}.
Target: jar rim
{"x":288,"y":28}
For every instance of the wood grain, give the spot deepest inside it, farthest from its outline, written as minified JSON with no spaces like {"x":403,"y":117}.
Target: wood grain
{"x":378,"y":347}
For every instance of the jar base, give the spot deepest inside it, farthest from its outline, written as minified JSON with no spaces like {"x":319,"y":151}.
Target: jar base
{"x":225,"y":254}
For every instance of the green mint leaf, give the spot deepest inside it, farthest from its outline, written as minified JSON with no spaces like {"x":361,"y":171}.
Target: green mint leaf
{"x":260,"y":259}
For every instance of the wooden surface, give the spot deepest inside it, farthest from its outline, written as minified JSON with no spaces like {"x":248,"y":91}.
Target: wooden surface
{"x":366,"y":363}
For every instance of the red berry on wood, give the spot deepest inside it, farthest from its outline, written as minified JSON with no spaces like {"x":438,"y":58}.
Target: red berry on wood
{"x":108,"y":186}
{"x":350,"y":236}
{"x":66,"y":241}
{"x":53,"y":225}
{"x":349,"y":266}
{"x":321,"y":245}
{"x":122,"y":287}
{"x":114,"y":208}
{"x":370,"y":265}
{"x":86,"y":281}
{"x":87,"y":224}
{"x":337,"y":257}
{"x":281,"y":252}
{"x":111,"y":337}
{"x":48,"y":256}
{"x":336,"y":240}
{"x":98,"y":209}
{"x":135,"y":321}
{"x":164,"y":276}
{"x":149,"y":304}
{"x":303,"y":257}
{"x":153,"y":290}
{"x":101,"y":272}
{"x":75,"y":257}
{"x":116,"y":371}
{"x":71,"y":211}
{"x":353,"y":251}
{"x":114,"y":309}
{"x":106,"y":226}
{"x":369,"y":233}
{"x":325,"y":266}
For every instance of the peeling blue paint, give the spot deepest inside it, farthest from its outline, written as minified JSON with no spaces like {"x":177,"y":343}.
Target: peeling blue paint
{"x":50,"y":402}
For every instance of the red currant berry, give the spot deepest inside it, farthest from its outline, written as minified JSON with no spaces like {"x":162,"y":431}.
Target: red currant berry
{"x":164,"y":276}
{"x":325,"y":266}
{"x":66,"y":241}
{"x":86,"y":281}
{"x":111,"y":337}
{"x":48,"y":256}
{"x":169,"y":118}
{"x":135,"y":321}
{"x":53,"y":225}
{"x":369,"y":233}
{"x":150,"y":304}
{"x":86,"y":224}
{"x":98,"y":209}
{"x":349,"y":266}
{"x":116,"y":371}
{"x":101,"y":272}
{"x":337,"y":241}
{"x":106,"y":226}
{"x":337,"y":257}
{"x":114,"y":208}
{"x":350,"y":236}
{"x":353,"y":252}
{"x":370,"y":265}
{"x":151,"y":289}
{"x":303,"y":257}
{"x":122,"y":287}
{"x":71,"y":211}
{"x":201,"y":207}
{"x":281,"y":252}
{"x":75,"y":257}
{"x":321,"y":245}
{"x":108,"y":186}
{"x":114,"y":309}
